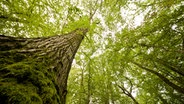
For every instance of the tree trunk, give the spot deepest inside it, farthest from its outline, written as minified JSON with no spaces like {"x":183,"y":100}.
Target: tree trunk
{"x":163,"y":78}
{"x":126,"y":92}
{"x":36,"y":70}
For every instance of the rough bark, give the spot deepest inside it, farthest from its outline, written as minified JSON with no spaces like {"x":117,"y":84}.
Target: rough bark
{"x":36,"y":70}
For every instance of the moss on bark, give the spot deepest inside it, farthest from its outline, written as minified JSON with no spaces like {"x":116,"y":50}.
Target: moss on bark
{"x":27,"y":82}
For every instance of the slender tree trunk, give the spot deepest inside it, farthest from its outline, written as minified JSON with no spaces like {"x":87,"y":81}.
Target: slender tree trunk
{"x":174,"y":69}
{"x":163,"y":78}
{"x":36,"y":70}
{"x":126,"y":92}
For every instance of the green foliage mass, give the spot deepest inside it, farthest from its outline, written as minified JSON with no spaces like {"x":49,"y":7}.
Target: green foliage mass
{"x":155,"y":44}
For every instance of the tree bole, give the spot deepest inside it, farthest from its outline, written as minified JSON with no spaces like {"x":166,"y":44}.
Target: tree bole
{"x":35,"y":70}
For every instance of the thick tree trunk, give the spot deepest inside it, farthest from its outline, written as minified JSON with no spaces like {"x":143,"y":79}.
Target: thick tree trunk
{"x":36,"y":70}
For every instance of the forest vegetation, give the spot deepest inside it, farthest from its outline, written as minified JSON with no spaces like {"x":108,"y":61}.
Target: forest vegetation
{"x":91,"y":51}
